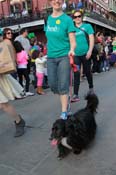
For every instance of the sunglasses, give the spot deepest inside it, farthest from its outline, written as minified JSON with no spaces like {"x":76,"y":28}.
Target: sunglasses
{"x":79,"y":16}
{"x":9,"y":33}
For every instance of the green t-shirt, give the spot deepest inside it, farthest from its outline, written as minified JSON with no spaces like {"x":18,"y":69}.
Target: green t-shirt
{"x":57,"y":30}
{"x":81,"y":40}
{"x":114,"y":45}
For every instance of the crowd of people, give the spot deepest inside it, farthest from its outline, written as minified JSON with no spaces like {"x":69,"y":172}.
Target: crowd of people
{"x":29,"y":56}
{"x":70,"y":6}
{"x":16,"y":85}
{"x":66,"y":38}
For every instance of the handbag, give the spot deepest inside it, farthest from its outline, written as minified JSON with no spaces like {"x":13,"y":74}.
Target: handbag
{"x":7,"y":64}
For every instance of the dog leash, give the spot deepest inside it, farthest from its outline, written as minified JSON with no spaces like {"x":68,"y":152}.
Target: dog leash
{"x":73,"y":69}
{"x":70,"y":94}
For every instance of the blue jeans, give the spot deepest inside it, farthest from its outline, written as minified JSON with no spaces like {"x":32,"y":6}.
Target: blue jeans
{"x":59,"y":74}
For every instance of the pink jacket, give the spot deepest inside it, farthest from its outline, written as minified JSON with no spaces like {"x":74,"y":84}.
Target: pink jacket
{"x":22,"y":58}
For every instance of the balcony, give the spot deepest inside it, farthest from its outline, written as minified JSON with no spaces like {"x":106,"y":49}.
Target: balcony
{"x":100,"y":18}
{"x":31,"y":20}
{"x":11,"y":21}
{"x":18,"y":21}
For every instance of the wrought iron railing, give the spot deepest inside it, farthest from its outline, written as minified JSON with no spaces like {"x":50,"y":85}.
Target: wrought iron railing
{"x":100,"y":19}
{"x":10,"y":21}
{"x":17,"y":20}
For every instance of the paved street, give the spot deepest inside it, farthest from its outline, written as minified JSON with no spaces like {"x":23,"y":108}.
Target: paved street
{"x":32,"y":153}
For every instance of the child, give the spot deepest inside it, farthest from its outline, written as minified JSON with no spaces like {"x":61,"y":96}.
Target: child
{"x":22,"y":61}
{"x":34,"y":46}
{"x":40,"y":61}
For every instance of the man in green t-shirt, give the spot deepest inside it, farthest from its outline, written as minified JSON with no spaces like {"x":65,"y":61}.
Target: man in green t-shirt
{"x":84,"y":46}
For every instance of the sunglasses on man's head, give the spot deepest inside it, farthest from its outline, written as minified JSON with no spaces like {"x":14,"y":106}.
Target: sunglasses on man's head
{"x":77,"y":16}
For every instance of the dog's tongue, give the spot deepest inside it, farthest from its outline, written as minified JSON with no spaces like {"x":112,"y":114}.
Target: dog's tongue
{"x":54,"y":142}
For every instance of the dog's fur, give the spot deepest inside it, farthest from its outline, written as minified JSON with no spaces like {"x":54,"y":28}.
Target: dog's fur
{"x":78,"y":130}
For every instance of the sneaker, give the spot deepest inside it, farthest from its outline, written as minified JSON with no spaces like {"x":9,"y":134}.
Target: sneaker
{"x":107,"y":68}
{"x":63,"y":115}
{"x":103,"y":69}
{"x":95,"y":73}
{"x":29,"y":94}
{"x":75,"y":98}
{"x":23,"y":94}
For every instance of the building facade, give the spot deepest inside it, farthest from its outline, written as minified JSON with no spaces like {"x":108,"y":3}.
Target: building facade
{"x":102,"y":14}
{"x":8,"y":7}
{"x":112,"y":6}
{"x":31,"y":13}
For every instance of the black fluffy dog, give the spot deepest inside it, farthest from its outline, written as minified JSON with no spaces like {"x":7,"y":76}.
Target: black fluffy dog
{"x":78,"y":130}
